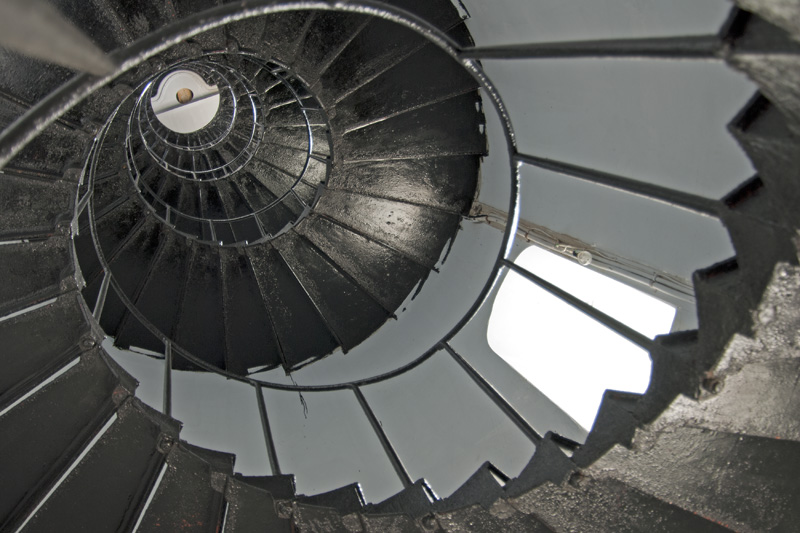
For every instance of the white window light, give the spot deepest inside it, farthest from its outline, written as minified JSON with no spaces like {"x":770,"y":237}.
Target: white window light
{"x":567,"y":355}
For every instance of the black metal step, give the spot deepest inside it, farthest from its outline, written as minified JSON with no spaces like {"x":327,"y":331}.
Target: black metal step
{"x":365,"y":260}
{"x":189,"y":497}
{"x":283,"y":33}
{"x":326,"y":37}
{"x":160,"y":298}
{"x":280,"y":487}
{"x":302,"y":332}
{"x":32,"y":272}
{"x":419,"y":233}
{"x":744,"y":482}
{"x":37,"y":343}
{"x":376,"y":48}
{"x":425,"y":77}
{"x":345,"y":500}
{"x":251,"y":339}
{"x":352,"y":314}
{"x":98,"y":495}
{"x":481,"y":488}
{"x":252,"y":509}
{"x":33,"y":207}
{"x":132,"y":268}
{"x":549,"y":463}
{"x":452,"y":127}
{"x":201,"y":327}
{"x":603,"y":504}
{"x":445,"y":183}
{"x":46,"y":432}
{"x":414,"y":500}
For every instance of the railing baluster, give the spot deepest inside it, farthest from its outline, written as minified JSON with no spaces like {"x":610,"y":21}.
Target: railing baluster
{"x":402,"y":473}
{"x":268,"y":440}
{"x":101,"y":297}
{"x":608,"y":321}
{"x":687,"y":47}
{"x":167,"y":378}
{"x":494,"y":395}
{"x":684,"y":200}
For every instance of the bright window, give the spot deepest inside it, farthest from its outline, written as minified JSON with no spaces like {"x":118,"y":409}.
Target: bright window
{"x":570,"y":357}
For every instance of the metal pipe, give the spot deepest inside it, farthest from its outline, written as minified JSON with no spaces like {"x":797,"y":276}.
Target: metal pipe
{"x":651,"y":191}
{"x":167,"y":378}
{"x":688,"y":47}
{"x":268,"y":440}
{"x":402,"y":473}
{"x":608,"y":321}
{"x":508,"y":410}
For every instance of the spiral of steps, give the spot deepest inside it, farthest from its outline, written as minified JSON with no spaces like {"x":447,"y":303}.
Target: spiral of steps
{"x":344,"y":155}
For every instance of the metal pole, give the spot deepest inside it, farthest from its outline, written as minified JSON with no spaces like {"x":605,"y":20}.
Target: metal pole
{"x":683,"y":200}
{"x":167,"y":378}
{"x":402,"y":473}
{"x":688,"y":47}
{"x":495,"y":396}
{"x":271,"y":451}
{"x":609,"y":322}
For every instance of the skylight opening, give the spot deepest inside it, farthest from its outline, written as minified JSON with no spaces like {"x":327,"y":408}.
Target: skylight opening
{"x":567,"y":355}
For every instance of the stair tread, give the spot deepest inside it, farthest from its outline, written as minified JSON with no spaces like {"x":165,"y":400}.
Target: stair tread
{"x":350,"y":312}
{"x":743,"y":481}
{"x":45,"y":432}
{"x":608,"y":505}
{"x":345,"y":500}
{"x":32,"y":207}
{"x":413,"y":500}
{"x":100,"y":496}
{"x":446,"y":183}
{"x":201,"y":326}
{"x":281,"y":487}
{"x":189,"y":497}
{"x":419,"y":232}
{"x":38,"y":342}
{"x":446,"y":128}
{"x":303,"y":335}
{"x":427,"y":76}
{"x":252,"y":509}
{"x":32,"y":272}
{"x":251,"y":340}
{"x":367,"y":261}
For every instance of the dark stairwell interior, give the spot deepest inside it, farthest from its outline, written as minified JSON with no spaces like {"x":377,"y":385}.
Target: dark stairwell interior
{"x":341,"y":154}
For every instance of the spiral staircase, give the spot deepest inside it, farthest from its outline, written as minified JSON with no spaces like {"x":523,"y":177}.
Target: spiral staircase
{"x":342,"y":155}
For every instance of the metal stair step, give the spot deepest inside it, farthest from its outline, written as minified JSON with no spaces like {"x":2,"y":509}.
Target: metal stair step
{"x":37,"y":343}
{"x":367,"y":261}
{"x":418,"y":232}
{"x":451,"y":127}
{"x":189,"y":496}
{"x":605,"y":504}
{"x":251,"y":339}
{"x":745,"y":482}
{"x":44,"y":433}
{"x":350,"y":312}
{"x":32,"y":272}
{"x":436,"y":182}
{"x":345,"y":500}
{"x":302,"y":332}
{"x":98,"y":495}
{"x":251,"y":509}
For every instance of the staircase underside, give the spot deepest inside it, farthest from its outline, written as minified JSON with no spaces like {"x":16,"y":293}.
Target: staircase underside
{"x":713,"y":445}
